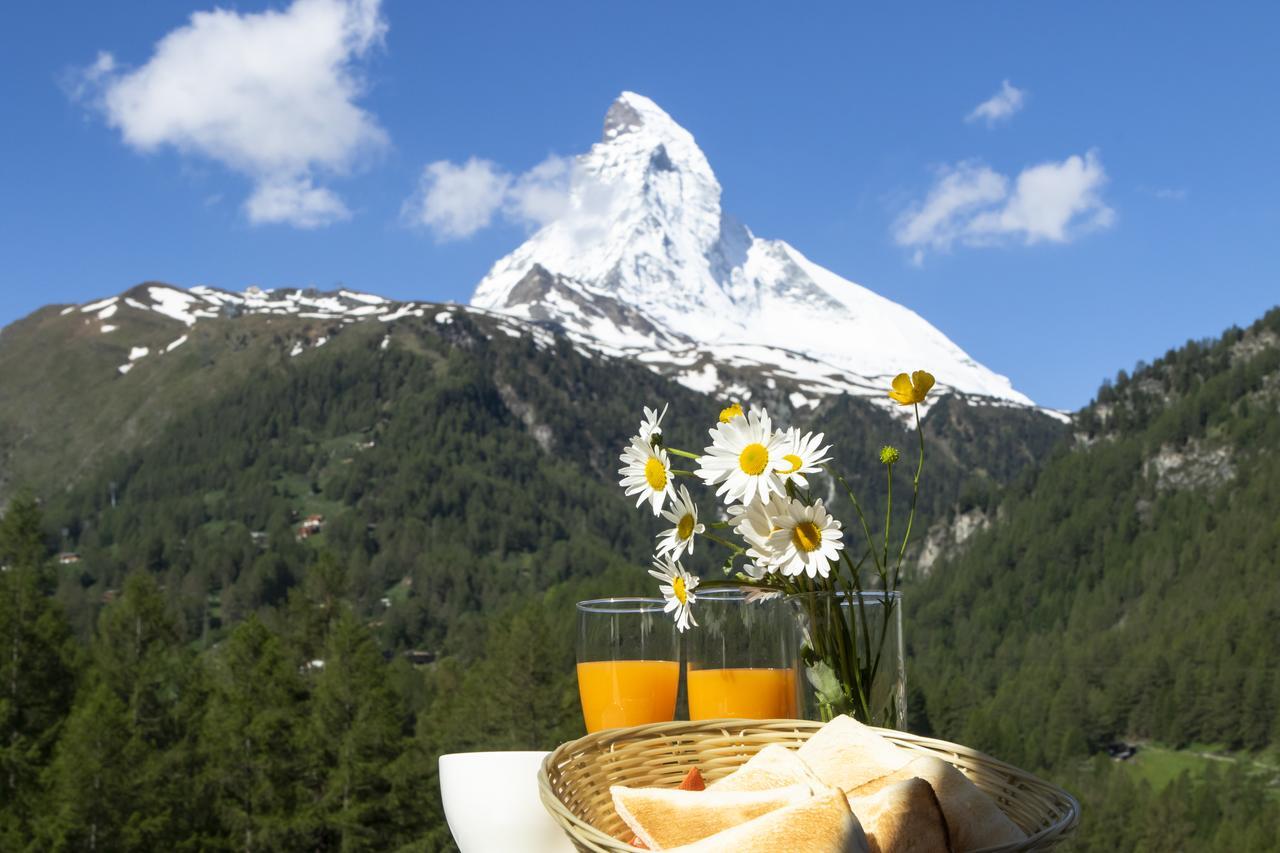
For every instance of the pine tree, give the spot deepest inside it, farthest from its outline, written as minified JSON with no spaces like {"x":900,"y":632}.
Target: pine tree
{"x":92,"y":785}
{"x":250,"y":741}
{"x":37,"y":669}
{"x":355,"y":734}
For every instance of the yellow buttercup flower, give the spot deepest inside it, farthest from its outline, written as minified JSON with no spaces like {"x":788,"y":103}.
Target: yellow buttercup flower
{"x":730,"y":412}
{"x":909,"y":390}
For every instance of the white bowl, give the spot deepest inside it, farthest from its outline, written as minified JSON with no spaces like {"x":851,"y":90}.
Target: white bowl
{"x":491,"y":802}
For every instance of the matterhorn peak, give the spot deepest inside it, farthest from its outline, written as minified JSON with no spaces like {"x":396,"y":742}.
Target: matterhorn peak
{"x":644,"y":262}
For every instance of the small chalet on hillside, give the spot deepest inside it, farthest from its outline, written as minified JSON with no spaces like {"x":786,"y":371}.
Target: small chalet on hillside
{"x":311,"y":525}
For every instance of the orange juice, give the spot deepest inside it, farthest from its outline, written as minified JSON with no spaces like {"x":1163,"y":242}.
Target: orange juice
{"x":757,"y":694}
{"x":627,"y":692}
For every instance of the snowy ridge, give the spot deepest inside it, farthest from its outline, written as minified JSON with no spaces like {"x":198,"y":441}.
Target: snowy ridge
{"x":202,"y":302}
{"x":644,"y":263}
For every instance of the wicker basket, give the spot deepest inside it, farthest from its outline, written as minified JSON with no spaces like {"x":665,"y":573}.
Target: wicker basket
{"x":575,"y":778}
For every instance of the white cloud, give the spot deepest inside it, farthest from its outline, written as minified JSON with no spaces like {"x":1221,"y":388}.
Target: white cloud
{"x":973,"y":205}
{"x":945,"y":212}
{"x":296,"y":202}
{"x":1000,"y":106}
{"x":541,"y":194}
{"x":457,"y":201}
{"x":271,"y":95}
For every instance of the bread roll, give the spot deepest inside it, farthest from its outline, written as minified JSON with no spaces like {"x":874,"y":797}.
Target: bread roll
{"x":775,"y":766}
{"x":903,"y":818}
{"x":665,"y":817}
{"x":974,"y":821}
{"x":846,"y":754}
{"x":821,"y":824}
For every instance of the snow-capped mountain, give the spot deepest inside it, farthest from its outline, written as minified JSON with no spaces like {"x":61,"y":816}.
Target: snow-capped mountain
{"x":644,"y":262}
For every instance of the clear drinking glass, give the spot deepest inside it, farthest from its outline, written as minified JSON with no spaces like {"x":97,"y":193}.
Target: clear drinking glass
{"x":628,"y":662}
{"x":742,"y":658}
{"x":852,"y":655}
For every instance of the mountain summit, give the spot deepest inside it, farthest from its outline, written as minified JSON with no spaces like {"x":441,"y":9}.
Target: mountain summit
{"x":643,"y":261}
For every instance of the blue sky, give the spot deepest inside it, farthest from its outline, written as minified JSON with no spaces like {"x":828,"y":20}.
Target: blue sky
{"x":830,"y":129}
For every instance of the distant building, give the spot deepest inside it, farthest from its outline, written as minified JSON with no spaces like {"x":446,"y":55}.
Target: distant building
{"x":311,"y":525}
{"x":419,"y":657}
{"x":67,"y":558}
{"x":1120,"y":751}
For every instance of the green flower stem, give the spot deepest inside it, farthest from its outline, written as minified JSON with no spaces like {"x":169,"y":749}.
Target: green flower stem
{"x":915,"y":493}
{"x":737,"y":549}
{"x":686,"y":454}
{"x":862,"y":609}
{"x":888,"y":510}
{"x":866,"y":529}
{"x":682,"y":473}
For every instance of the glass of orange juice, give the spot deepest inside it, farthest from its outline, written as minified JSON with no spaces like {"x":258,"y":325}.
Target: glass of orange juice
{"x":742,"y":658}
{"x":628,"y":662}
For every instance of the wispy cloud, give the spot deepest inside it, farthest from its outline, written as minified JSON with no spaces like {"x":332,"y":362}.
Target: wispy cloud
{"x":270,"y":95}
{"x":455,"y":201}
{"x":1000,"y":106}
{"x":971,"y":204}
{"x":1170,"y":193}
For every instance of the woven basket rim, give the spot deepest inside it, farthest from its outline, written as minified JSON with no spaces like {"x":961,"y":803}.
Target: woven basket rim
{"x":589,"y":837}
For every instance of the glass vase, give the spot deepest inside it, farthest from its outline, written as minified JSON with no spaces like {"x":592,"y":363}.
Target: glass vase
{"x":852,"y":657}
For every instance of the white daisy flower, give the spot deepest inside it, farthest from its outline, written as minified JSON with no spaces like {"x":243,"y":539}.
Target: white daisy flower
{"x":652,"y":423}
{"x":677,"y":588}
{"x":745,"y":457}
{"x":803,"y":455}
{"x":684,"y":514}
{"x":755,"y":524}
{"x":647,"y":473}
{"x":807,"y":540}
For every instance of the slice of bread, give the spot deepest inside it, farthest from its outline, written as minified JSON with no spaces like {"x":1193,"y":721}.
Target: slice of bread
{"x":848,"y":755}
{"x":775,"y":766}
{"x":904,"y":817}
{"x":821,"y":824}
{"x":663,"y":817}
{"x":974,"y":821}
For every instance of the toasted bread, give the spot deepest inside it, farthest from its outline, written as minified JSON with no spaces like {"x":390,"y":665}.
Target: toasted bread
{"x":974,"y":821}
{"x":775,"y":766}
{"x":662,"y":817}
{"x":821,"y":824}
{"x":846,"y":754}
{"x":903,"y":818}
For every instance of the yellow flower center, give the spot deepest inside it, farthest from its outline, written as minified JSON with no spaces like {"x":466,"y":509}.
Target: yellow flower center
{"x":655,"y":474}
{"x":753,"y":458}
{"x":685,"y":528}
{"x":795,"y":463}
{"x":728,"y":413}
{"x":807,"y":536}
{"x":678,"y":590}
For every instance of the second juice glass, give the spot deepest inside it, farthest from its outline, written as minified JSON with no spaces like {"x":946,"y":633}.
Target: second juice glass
{"x":742,"y":658}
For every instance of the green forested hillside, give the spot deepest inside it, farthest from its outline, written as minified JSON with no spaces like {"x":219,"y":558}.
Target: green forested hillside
{"x":1128,"y":590}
